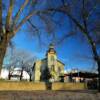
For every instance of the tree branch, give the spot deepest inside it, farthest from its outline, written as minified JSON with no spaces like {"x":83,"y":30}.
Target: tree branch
{"x":36,"y":29}
{"x":64,"y":37}
{"x":0,"y":17}
{"x":90,"y":40}
{"x":63,"y":9}
{"x":9,"y":15}
{"x":32,"y":25}
{"x":19,"y":11}
{"x":26,"y":18}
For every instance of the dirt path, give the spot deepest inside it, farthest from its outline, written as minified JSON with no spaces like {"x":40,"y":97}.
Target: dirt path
{"x":49,"y":95}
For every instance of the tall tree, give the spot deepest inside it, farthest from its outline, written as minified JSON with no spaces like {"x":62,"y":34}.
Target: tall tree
{"x":20,"y":59}
{"x":15,"y":21}
{"x":84,"y":14}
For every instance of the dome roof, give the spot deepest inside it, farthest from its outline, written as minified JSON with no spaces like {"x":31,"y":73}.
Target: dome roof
{"x":51,"y":46}
{"x":51,"y":49}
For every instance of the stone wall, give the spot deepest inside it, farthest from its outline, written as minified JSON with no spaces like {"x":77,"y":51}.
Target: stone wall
{"x":40,"y":86}
{"x":22,"y":86}
{"x":68,"y":86}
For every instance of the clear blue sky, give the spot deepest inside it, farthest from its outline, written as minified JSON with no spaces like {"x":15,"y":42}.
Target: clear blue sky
{"x":73,"y":51}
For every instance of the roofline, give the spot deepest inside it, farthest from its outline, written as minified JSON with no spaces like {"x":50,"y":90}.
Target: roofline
{"x":44,"y":59}
{"x":57,"y":60}
{"x":60,"y":62}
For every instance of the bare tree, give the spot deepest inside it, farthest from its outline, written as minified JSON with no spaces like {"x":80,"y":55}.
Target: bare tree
{"x":22,"y":60}
{"x":84,"y":14}
{"x":27,"y":66}
{"x":11,"y":24}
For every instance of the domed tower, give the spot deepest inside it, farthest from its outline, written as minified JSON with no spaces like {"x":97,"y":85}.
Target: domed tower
{"x":49,"y":68}
{"x":52,"y":61}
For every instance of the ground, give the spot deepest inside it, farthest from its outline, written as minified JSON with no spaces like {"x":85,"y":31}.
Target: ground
{"x":50,"y":95}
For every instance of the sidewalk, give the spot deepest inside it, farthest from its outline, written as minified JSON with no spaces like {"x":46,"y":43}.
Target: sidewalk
{"x":50,"y":95}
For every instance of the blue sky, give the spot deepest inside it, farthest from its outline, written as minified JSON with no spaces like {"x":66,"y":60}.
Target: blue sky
{"x":74,"y":51}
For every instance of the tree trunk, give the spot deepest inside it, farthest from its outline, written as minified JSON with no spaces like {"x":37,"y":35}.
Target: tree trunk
{"x":98,"y":62}
{"x":3,"y":48}
{"x":96,"y":56}
{"x":30,"y":77}
{"x":9,"y":75}
{"x":21,"y":74}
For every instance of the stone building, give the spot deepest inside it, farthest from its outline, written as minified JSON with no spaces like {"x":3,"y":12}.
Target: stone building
{"x":48,"y":69}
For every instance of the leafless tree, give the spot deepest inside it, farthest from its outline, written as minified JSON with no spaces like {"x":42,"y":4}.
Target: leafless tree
{"x":22,"y":60}
{"x":12,"y":22}
{"x":84,"y":15}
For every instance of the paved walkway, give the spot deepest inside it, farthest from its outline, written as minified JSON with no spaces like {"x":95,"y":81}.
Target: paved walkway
{"x":50,"y":95}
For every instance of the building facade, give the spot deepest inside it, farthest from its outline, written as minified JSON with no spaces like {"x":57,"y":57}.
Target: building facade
{"x":48,"y":69}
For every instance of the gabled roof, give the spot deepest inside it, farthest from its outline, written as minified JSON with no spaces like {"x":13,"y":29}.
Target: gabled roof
{"x":60,"y":62}
{"x":46,"y":59}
